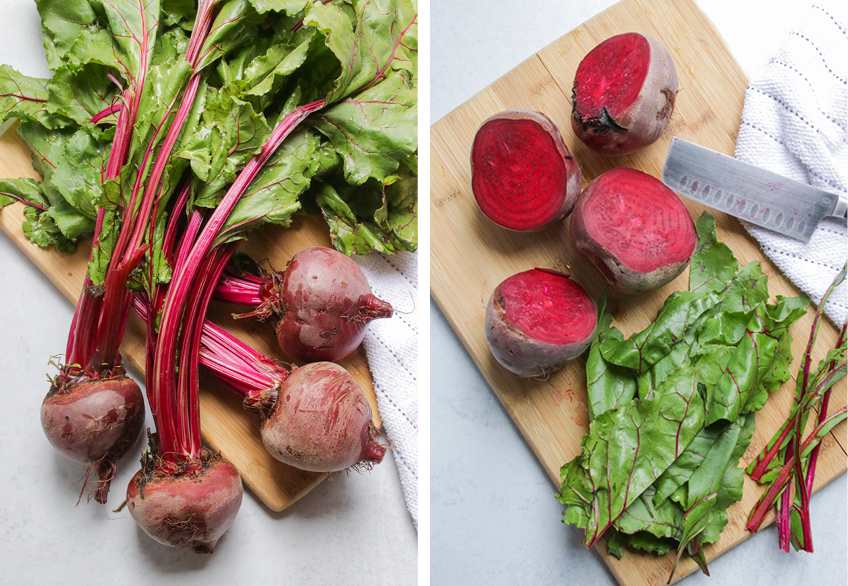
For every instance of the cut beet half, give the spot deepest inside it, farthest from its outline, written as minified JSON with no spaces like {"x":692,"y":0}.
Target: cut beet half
{"x":636,"y":230}
{"x":538,"y":321}
{"x":623,"y":94}
{"x":522,"y":174}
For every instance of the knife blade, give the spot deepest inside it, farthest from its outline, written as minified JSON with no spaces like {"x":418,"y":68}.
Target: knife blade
{"x":748,"y":192}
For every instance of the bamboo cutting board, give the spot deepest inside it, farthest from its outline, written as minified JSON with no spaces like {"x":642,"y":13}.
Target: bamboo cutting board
{"x":225,"y":424}
{"x":470,"y":255}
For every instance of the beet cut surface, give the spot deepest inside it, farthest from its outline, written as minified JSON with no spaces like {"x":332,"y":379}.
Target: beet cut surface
{"x":523,"y":175}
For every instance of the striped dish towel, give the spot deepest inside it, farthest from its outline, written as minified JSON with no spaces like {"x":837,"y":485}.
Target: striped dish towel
{"x":795,"y":123}
{"x":392,"y":349}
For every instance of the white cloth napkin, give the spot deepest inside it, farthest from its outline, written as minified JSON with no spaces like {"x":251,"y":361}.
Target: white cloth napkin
{"x":392,"y":349}
{"x":795,"y":123}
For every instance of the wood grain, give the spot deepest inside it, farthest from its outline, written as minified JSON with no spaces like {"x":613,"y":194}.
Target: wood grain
{"x":470,"y":255}
{"x":225,"y":425}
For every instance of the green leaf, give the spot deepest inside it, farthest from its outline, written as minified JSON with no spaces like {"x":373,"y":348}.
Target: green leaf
{"x":290,"y":7}
{"x":609,"y":385}
{"x":627,"y":449}
{"x":273,"y":196}
{"x":23,"y":189}
{"x":348,"y":234}
{"x":367,"y":48}
{"x":63,"y":22}
{"x":713,"y":264}
{"x":81,"y":93}
{"x":373,"y":131}
{"x":25,"y":97}
{"x":133,"y":25}
{"x":234,"y":25}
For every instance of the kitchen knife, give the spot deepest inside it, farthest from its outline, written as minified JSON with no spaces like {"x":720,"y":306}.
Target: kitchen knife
{"x":748,"y":192}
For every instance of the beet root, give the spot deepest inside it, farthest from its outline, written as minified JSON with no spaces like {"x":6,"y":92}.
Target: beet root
{"x":95,"y":421}
{"x":522,"y":174}
{"x":623,"y":94}
{"x":326,"y":302}
{"x":190,"y":507}
{"x":538,"y":321}
{"x":634,"y":229}
{"x":322,"y":421}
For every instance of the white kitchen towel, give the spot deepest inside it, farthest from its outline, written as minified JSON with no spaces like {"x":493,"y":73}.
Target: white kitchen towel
{"x":392,"y":349}
{"x":795,"y":123}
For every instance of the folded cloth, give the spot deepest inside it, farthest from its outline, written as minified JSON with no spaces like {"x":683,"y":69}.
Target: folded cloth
{"x":392,"y":349}
{"x":795,"y":123}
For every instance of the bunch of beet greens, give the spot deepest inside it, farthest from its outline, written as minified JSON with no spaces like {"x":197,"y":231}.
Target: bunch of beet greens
{"x":672,"y":408}
{"x":788,"y":456}
{"x":168,"y":131}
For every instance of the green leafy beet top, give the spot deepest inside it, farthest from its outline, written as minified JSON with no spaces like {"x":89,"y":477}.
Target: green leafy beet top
{"x":355,"y":161}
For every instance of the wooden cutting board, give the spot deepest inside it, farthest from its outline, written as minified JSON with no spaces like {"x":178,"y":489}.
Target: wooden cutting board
{"x":225,"y":425}
{"x":470,"y":255}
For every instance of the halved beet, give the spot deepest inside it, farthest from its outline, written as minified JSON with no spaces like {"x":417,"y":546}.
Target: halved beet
{"x":538,"y":321}
{"x":623,"y":94}
{"x":634,"y":229}
{"x":522,"y":174}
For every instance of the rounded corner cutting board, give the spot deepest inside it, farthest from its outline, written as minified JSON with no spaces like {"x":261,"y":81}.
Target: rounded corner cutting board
{"x":470,"y":255}
{"x":225,"y":425}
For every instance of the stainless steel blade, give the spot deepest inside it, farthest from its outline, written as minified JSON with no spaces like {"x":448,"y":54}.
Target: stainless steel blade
{"x":748,"y":192}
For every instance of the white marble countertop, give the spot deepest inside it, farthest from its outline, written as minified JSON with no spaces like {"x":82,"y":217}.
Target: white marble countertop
{"x":353,"y":530}
{"x":494,"y":518}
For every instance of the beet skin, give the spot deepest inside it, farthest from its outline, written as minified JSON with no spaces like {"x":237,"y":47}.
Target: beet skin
{"x":538,"y":321}
{"x":325,"y":302}
{"x":95,"y":421}
{"x":623,"y":94}
{"x":191,"y":507}
{"x":322,"y":421}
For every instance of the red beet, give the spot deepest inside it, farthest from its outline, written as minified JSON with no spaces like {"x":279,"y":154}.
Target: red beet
{"x":322,"y":421}
{"x":538,"y":321}
{"x":191,"y":506}
{"x":522,"y":174}
{"x":634,"y":229}
{"x":95,"y":421}
{"x":326,"y":302}
{"x":623,"y":94}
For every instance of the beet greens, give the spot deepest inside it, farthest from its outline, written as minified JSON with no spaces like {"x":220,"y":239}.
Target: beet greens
{"x":672,"y":408}
{"x":788,"y":458}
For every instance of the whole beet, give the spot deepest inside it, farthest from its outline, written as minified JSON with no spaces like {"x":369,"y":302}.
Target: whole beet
{"x":623,"y":94}
{"x":322,"y":421}
{"x":94,"y":421}
{"x":325,"y":302}
{"x":190,"y":507}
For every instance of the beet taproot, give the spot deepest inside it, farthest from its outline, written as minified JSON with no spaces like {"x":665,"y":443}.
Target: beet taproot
{"x":325,"y":302}
{"x":322,"y":421}
{"x":522,"y":174}
{"x":189,"y":506}
{"x":538,"y":321}
{"x":94,"y":421}
{"x":634,"y":229}
{"x":623,"y":94}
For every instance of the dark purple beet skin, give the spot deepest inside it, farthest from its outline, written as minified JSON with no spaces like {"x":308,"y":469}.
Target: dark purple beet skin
{"x":95,"y":421}
{"x":190,"y":508}
{"x":322,"y":421}
{"x":325,"y":302}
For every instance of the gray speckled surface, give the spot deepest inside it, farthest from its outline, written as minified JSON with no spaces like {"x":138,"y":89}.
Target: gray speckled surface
{"x":494,"y":518}
{"x":353,"y":530}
